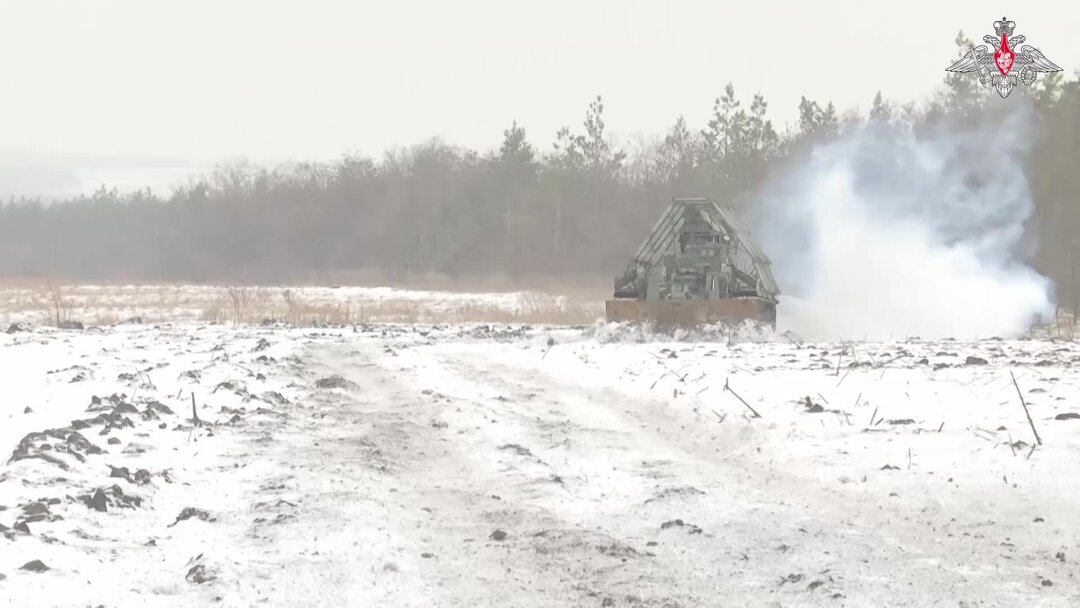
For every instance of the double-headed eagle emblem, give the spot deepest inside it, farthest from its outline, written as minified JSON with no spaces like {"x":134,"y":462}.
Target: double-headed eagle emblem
{"x":1004,"y":68}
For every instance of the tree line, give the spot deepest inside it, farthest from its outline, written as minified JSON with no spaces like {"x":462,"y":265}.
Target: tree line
{"x":576,"y":207}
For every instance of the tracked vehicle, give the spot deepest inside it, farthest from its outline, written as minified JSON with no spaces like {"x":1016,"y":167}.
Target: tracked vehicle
{"x":697,"y":266}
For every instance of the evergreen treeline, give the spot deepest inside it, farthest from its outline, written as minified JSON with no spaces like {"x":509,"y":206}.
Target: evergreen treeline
{"x":576,"y":206}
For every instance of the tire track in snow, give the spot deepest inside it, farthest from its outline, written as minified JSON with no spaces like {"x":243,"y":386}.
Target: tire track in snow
{"x":470,"y":477}
{"x":391,"y":507}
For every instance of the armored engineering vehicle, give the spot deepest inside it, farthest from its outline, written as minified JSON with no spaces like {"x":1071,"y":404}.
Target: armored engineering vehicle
{"x":697,"y":266}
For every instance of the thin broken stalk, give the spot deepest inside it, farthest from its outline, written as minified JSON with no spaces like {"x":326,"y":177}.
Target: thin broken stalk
{"x":844,"y":377}
{"x":727,"y":387}
{"x":194,"y":413}
{"x":1038,"y":439}
{"x":550,"y":343}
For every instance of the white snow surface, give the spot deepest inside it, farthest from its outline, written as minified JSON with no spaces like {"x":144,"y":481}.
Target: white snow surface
{"x":474,"y":465}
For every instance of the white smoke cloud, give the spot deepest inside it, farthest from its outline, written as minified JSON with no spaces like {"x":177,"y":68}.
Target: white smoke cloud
{"x":884,"y":235}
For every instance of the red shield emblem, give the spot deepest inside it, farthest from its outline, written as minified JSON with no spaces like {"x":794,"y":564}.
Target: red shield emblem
{"x":1004,"y":57}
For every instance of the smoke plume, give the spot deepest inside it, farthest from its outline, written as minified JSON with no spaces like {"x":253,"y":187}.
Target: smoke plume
{"x":884,"y":234}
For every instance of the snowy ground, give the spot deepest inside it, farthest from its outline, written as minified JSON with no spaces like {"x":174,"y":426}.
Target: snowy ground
{"x":479,"y":466}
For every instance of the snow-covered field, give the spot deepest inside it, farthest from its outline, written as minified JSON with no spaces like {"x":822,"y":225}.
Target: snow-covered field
{"x":473,"y":465}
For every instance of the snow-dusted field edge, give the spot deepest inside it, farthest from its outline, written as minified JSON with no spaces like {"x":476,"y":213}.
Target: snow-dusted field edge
{"x":113,"y":304}
{"x":480,"y":466}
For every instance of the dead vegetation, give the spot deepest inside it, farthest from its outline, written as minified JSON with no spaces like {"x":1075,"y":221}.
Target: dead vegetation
{"x":61,"y":305}
{"x":257,"y":305}
{"x":1063,"y":327}
{"x":101,"y":305}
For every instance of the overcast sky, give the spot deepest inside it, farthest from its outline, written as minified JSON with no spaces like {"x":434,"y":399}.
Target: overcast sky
{"x":141,"y":92}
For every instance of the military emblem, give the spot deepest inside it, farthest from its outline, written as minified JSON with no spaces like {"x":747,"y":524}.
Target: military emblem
{"x":1004,"y":68}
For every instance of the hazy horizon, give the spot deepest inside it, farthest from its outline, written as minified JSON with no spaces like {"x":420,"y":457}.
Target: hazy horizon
{"x":143,"y":94}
